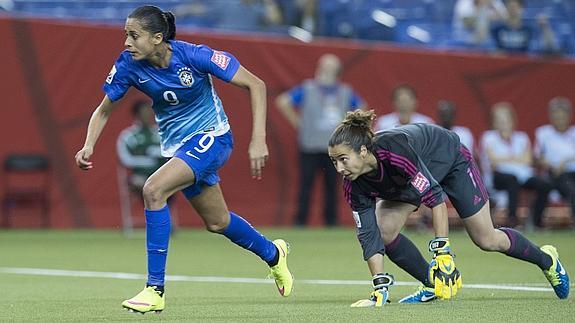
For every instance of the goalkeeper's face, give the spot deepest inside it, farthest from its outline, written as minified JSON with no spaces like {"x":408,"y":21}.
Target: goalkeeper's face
{"x":349,"y":163}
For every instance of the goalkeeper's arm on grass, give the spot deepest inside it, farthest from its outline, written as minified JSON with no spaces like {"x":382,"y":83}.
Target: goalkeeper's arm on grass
{"x":442,"y":271}
{"x":373,"y":249}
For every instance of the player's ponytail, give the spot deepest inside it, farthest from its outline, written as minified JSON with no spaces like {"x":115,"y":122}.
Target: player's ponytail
{"x":171,"y":23}
{"x":154,"y":20}
{"x":355,"y":130}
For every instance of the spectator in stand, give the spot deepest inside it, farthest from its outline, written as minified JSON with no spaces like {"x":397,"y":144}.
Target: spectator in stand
{"x":405,"y":104}
{"x":315,"y":108}
{"x":555,"y":149}
{"x":509,"y":157}
{"x":514,"y":35}
{"x":239,"y":15}
{"x":472,"y":20}
{"x":307,"y":9}
{"x":446,"y":115}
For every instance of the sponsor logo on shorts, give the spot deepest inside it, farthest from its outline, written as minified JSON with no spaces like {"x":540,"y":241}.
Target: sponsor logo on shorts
{"x":189,"y":153}
{"x":476,"y":200}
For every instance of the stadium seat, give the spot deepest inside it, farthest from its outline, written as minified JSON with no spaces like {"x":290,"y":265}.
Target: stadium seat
{"x":26,"y":184}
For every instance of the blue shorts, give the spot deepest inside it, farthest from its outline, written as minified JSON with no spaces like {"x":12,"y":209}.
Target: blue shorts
{"x":205,"y":154}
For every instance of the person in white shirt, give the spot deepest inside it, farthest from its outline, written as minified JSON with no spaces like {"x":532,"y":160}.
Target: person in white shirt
{"x":508,"y":156}
{"x":405,"y":104}
{"x":446,"y":114}
{"x":555,"y":149}
{"x":472,"y":20}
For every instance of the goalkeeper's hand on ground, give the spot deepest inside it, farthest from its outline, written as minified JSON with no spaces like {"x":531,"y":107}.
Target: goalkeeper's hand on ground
{"x":380,"y":295}
{"x":443,"y":274}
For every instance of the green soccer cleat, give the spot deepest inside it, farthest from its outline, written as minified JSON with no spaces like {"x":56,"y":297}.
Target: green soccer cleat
{"x":146,"y":301}
{"x":280,"y":272}
{"x":556,"y":275}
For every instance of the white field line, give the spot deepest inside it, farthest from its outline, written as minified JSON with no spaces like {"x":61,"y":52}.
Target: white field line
{"x":214,"y":279}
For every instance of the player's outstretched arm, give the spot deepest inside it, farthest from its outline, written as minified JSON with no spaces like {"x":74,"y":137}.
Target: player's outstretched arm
{"x":442,"y":272}
{"x":95,"y":127}
{"x":258,"y":149}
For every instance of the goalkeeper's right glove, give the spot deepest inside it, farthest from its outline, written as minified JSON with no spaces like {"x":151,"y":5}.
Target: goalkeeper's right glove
{"x":380,"y":295}
{"x":443,"y":274}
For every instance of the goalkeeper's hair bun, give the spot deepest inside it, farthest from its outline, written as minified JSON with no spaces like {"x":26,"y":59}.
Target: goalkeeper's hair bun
{"x":355,"y":130}
{"x":359,"y":118}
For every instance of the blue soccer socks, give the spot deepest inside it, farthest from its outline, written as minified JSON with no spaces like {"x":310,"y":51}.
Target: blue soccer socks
{"x":157,"y":238}
{"x":240,"y":232}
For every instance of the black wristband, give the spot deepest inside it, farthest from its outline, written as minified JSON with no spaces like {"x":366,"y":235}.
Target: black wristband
{"x":382,"y":280}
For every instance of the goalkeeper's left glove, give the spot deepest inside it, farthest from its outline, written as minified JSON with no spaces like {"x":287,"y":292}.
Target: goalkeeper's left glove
{"x":442,"y":271}
{"x":380,"y":295}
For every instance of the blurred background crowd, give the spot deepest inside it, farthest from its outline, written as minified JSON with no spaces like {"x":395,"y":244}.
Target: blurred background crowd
{"x":512,"y":26}
{"x":499,"y":73}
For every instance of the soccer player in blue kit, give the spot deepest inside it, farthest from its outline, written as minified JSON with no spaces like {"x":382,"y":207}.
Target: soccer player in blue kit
{"x":387,"y":175}
{"x":196,"y":135}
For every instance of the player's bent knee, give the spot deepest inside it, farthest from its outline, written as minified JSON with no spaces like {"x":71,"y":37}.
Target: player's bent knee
{"x":153,"y":195}
{"x":488,"y":243}
{"x":389,"y":232}
{"x":389,"y":236}
{"x":217,"y":226}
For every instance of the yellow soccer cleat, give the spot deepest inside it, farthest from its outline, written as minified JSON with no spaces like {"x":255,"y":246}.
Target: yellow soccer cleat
{"x":146,"y":301}
{"x":280,"y":272}
{"x":556,"y":275}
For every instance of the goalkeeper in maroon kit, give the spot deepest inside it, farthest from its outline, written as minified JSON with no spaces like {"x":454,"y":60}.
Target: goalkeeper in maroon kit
{"x":388,"y":175}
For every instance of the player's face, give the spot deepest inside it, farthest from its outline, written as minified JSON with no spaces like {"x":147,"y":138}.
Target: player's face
{"x":348,"y":162}
{"x":140,"y":43}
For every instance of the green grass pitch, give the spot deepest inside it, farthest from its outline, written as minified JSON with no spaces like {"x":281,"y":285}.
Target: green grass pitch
{"x":317,"y":254}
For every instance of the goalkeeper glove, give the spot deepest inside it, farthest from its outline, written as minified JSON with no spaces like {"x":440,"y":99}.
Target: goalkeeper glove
{"x":380,"y":295}
{"x":442,"y":271}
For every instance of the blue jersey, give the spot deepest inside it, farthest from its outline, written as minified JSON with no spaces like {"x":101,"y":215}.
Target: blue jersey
{"x":185,"y":100}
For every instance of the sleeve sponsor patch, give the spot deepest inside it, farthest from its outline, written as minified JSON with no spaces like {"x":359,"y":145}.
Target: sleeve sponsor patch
{"x":110,"y":77}
{"x":357,"y":219}
{"x":220,"y":59}
{"x":420,"y":182}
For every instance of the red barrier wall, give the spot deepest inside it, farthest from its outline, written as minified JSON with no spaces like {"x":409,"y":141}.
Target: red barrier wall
{"x":52,"y":73}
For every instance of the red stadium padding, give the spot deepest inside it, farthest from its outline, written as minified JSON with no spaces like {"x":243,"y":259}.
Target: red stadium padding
{"x":52,"y":73}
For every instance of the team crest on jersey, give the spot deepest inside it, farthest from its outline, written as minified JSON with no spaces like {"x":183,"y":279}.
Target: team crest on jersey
{"x":186,"y":77}
{"x":420,"y":182}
